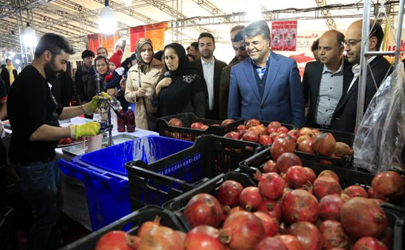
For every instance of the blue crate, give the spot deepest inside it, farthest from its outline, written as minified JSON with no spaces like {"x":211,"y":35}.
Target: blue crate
{"x":104,"y":174}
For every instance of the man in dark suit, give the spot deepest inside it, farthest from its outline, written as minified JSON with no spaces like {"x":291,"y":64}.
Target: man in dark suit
{"x":211,"y":69}
{"x":235,"y":30}
{"x":344,"y":118}
{"x":240,"y":55}
{"x":266,"y":86}
{"x":325,"y":80}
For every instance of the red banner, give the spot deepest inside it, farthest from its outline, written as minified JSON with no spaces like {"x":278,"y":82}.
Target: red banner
{"x":155,"y":32}
{"x":96,"y":41}
{"x":284,"y":36}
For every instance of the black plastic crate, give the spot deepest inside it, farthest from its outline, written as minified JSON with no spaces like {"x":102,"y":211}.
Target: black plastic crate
{"x":6,"y":214}
{"x":178,"y":204}
{"x":188,"y":134}
{"x":134,"y":220}
{"x":396,"y":221}
{"x":161,"y":181}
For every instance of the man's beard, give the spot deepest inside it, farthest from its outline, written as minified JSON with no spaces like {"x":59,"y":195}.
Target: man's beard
{"x":50,"y":69}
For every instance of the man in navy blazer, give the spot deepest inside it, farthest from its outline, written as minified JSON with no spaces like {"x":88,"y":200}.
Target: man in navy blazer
{"x":265,"y":86}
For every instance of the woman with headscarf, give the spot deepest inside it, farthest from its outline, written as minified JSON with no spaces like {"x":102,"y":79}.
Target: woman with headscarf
{"x":9,"y":74}
{"x":102,"y":70}
{"x":141,"y":81}
{"x":182,"y":88}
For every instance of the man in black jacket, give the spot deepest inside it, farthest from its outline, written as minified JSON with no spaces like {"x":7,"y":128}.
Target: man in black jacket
{"x":344,"y":118}
{"x":82,"y":75}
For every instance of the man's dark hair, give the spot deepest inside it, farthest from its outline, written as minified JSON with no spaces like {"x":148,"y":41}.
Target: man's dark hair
{"x":257,"y":28}
{"x":315,"y":45}
{"x":8,"y":60}
{"x":238,"y":37}
{"x":378,"y":32}
{"x":188,"y":48}
{"x":206,"y":34}
{"x":238,"y":27}
{"x":194,"y":45}
{"x":53,"y":43}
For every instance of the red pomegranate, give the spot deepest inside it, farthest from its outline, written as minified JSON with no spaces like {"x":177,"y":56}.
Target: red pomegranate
{"x":227,"y":121}
{"x":117,"y":240}
{"x":372,"y":194}
{"x":345,"y":197}
{"x":251,"y":136}
{"x":300,"y":205}
{"x":362,"y":217}
{"x":196,"y":125}
{"x":306,"y":147}
{"x":250,"y":198}
{"x":326,"y":185}
{"x":270,"y":243}
{"x":333,"y":235}
{"x":203,"y":238}
{"x":147,"y":226}
{"x":281,"y":146}
{"x":235,"y":209}
{"x":287,"y":160}
{"x":270,"y":207}
{"x":270,"y":166}
{"x":306,"y":131}
{"x":265,"y":140}
{"x":270,"y":130}
{"x":324,"y":144}
{"x":228,"y":193}
{"x":203,"y":209}
{"x":232,"y":135}
{"x":303,"y":138}
{"x":275,"y":125}
{"x":175,"y":122}
{"x":242,"y":231}
{"x":270,"y":224}
{"x":387,"y":238}
{"x":329,"y":173}
{"x":390,"y":185}
{"x":290,"y":241}
{"x":355,"y":191}
{"x":307,"y":234}
{"x":342,"y":149}
{"x":282,"y":129}
{"x":252,"y":123}
{"x":161,"y":238}
{"x":311,"y":176}
{"x":242,"y":130}
{"x":369,"y":243}
{"x":271,"y":185}
{"x":329,"y":207}
{"x":296,"y":176}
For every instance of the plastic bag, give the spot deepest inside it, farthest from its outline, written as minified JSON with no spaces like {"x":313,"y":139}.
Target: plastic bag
{"x":380,"y":138}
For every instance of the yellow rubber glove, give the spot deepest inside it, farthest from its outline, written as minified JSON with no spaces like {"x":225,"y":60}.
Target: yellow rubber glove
{"x":87,"y":129}
{"x":95,"y":102}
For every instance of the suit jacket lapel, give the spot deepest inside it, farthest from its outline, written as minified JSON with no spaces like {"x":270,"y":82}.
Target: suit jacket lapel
{"x":271,"y":75}
{"x":250,"y":77}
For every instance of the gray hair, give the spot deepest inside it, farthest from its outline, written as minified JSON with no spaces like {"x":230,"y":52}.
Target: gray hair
{"x":257,"y":28}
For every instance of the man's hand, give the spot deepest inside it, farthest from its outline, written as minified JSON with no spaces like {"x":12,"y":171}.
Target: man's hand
{"x":87,"y":129}
{"x":97,"y":100}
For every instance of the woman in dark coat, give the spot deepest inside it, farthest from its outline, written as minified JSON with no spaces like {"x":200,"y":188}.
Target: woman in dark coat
{"x":182,"y":88}
{"x":102,"y":70}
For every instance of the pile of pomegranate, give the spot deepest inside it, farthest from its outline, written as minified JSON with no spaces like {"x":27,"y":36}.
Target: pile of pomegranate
{"x":198,"y":125}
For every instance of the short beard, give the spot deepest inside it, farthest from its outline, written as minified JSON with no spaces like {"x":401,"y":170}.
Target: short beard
{"x":50,"y":70}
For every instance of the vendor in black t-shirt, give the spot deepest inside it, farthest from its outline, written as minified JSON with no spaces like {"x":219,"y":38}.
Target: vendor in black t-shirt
{"x":34,"y":115}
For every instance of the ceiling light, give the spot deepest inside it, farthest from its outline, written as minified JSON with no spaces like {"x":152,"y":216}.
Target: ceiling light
{"x":254,"y":10}
{"x":29,"y":37}
{"x":107,"y":22}
{"x":128,"y":2}
{"x":17,"y":61}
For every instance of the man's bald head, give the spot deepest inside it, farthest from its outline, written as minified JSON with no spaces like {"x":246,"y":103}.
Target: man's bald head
{"x":330,"y":48}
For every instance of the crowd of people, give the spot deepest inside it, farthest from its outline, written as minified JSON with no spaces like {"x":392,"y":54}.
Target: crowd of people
{"x":257,"y":83}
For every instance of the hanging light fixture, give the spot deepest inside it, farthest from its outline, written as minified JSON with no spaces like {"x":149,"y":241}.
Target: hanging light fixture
{"x":107,"y":22}
{"x":29,"y":37}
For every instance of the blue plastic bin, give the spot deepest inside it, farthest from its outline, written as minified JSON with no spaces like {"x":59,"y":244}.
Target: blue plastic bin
{"x":105,"y":177}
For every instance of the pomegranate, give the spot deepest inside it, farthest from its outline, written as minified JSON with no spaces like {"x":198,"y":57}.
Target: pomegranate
{"x":251,"y":136}
{"x":306,"y":147}
{"x":227,"y":121}
{"x":175,"y":122}
{"x":228,"y":193}
{"x":161,"y":238}
{"x":342,"y":149}
{"x":250,"y":198}
{"x":306,"y":131}
{"x":270,"y":243}
{"x":311,"y":176}
{"x":326,"y":185}
{"x":389,"y":184}
{"x":387,"y":237}
{"x":117,"y":240}
{"x":273,"y":136}
{"x":196,"y":125}
{"x":271,"y":185}
{"x":363,"y":217}
{"x":242,"y":130}
{"x":307,"y":234}
{"x":270,"y":130}
{"x":372,"y":194}
{"x":232,"y":135}
{"x":204,"y":127}
{"x":236,"y":209}
{"x":203,"y":238}
{"x":287,"y":160}
{"x":262,"y":129}
{"x":270,"y":207}
{"x":333,"y":235}
{"x":324,"y":144}
{"x":252,"y":123}
{"x":147,"y":226}
{"x":345,"y":197}
{"x":282,"y":129}
{"x":303,"y":138}
{"x":300,"y":205}
{"x":270,"y":166}
{"x":281,"y":146}
{"x":275,"y":125}
{"x":203,"y":209}
{"x":369,"y":243}
{"x":242,"y":231}
{"x":181,"y":234}
{"x":329,"y":173}
{"x":329,"y":207}
{"x":270,"y":224}
{"x":265,"y":140}
{"x":296,"y":176}
{"x":355,"y":191}
{"x":291,"y":242}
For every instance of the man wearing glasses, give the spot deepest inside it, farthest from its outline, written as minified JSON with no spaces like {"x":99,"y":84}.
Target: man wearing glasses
{"x":344,"y":117}
{"x":267,"y":86}
{"x":240,"y":55}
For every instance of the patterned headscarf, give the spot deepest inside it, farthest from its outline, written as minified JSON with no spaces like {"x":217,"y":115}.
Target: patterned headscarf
{"x":139,"y":44}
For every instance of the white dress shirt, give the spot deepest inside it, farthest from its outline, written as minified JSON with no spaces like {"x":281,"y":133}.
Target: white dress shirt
{"x":208,"y":71}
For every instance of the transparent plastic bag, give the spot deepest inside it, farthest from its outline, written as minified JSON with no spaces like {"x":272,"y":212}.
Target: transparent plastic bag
{"x":380,"y":138}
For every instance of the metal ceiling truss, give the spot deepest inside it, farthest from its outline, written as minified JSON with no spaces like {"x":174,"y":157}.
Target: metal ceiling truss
{"x":326,"y":14}
{"x":214,"y":10}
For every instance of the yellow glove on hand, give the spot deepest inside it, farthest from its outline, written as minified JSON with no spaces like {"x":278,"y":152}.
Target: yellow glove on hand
{"x":87,"y":129}
{"x":97,"y":100}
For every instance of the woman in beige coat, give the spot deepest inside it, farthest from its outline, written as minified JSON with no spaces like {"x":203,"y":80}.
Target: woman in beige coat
{"x":149,"y":70}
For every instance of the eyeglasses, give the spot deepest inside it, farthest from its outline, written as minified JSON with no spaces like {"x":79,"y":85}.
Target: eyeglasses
{"x":351,"y":42}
